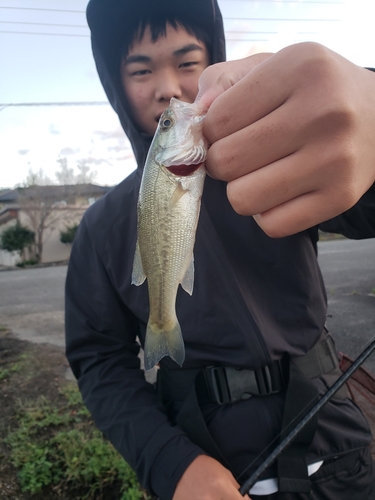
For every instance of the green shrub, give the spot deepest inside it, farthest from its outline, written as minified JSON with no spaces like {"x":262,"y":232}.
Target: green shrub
{"x":68,"y":235}
{"x":59,"y":447}
{"x":29,"y":262}
{"x":16,"y":238}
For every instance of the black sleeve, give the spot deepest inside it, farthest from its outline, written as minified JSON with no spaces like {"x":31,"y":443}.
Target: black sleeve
{"x":356,"y":223}
{"x":103,"y":353}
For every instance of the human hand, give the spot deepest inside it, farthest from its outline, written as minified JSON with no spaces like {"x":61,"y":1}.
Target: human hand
{"x":292,"y":133}
{"x":207,"y":479}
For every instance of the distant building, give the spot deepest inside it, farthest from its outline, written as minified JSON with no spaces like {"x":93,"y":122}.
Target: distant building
{"x":52,"y":207}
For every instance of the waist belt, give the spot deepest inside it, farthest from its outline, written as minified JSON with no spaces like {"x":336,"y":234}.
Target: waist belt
{"x":223,"y":384}
{"x":227,"y":384}
{"x":182,"y":389}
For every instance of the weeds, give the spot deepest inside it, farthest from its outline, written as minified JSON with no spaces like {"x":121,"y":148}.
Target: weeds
{"x":56,"y":445}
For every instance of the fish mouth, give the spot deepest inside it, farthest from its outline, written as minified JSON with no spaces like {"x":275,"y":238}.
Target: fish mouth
{"x":184,"y":170}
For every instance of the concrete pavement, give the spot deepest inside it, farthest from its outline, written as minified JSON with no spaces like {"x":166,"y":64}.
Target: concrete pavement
{"x":32,"y":300}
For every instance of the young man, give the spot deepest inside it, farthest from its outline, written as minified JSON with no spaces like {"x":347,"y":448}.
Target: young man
{"x":291,"y":144}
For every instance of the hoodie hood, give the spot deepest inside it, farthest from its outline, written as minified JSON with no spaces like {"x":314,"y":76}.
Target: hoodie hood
{"x":110,"y":20}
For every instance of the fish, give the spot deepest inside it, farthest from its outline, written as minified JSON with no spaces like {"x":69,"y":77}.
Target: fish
{"x":167,"y":217}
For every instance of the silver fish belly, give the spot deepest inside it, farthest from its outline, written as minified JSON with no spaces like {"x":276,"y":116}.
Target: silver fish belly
{"x":168,"y":212}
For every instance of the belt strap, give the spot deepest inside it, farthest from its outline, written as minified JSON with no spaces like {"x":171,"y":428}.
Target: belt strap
{"x":227,"y":384}
{"x":224,"y":385}
{"x":291,"y":465}
{"x":301,"y":395}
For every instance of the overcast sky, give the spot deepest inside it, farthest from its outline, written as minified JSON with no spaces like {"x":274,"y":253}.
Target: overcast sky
{"x":45,"y":57}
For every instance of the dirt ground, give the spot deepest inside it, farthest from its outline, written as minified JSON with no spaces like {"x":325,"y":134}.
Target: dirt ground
{"x":46,"y":366}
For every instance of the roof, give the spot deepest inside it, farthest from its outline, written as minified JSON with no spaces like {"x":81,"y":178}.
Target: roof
{"x":55,"y":192}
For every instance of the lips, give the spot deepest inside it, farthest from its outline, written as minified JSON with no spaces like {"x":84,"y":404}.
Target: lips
{"x":184,"y":170}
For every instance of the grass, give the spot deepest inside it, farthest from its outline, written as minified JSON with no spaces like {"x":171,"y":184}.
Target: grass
{"x":55,"y":445}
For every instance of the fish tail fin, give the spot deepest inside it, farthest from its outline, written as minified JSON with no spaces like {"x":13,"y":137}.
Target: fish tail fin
{"x":159,"y":344}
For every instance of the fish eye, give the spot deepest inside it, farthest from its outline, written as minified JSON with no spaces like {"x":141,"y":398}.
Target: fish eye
{"x":167,"y":123}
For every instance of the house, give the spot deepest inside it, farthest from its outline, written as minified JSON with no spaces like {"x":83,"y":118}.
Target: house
{"x":46,"y":210}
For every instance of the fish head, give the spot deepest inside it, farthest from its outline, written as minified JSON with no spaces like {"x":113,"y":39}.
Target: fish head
{"x":180,"y":144}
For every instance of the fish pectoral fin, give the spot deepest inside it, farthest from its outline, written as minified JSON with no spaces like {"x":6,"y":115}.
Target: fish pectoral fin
{"x":187,"y":282}
{"x":138,"y":274}
{"x":177,"y":195}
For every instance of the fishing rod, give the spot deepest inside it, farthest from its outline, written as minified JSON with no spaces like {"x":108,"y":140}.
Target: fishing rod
{"x":249,"y":483}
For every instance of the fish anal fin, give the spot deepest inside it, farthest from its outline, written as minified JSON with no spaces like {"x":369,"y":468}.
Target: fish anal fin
{"x":163,"y":343}
{"x":187,"y":282}
{"x":138,"y":274}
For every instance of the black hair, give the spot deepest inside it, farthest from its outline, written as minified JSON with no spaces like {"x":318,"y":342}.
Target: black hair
{"x":158,"y":28}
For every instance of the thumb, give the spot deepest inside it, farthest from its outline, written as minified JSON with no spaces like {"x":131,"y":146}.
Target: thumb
{"x":219,"y":77}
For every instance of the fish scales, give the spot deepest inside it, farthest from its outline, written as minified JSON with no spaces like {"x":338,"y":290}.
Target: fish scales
{"x":168,"y":212}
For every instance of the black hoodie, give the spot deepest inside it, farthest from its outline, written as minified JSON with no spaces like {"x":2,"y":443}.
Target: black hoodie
{"x":255,"y":299}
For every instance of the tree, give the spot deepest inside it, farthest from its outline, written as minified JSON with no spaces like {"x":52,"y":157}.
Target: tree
{"x":85,"y":175}
{"x":66,"y":174}
{"x":68,"y":235}
{"x":16,"y":239}
{"x":38,"y":178}
{"x":47,"y":207}
{"x":45,"y":212}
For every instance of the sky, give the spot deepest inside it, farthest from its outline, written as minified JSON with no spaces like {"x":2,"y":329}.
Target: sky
{"x":52,"y":105}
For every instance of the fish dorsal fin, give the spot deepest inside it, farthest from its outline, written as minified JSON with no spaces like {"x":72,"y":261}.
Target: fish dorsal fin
{"x":187,"y":282}
{"x":138,"y":275}
{"x":177,"y":195}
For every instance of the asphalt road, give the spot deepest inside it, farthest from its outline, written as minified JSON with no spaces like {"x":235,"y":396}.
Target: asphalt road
{"x":32,"y":300}
{"x":348,"y":269}
{"x":32,"y":303}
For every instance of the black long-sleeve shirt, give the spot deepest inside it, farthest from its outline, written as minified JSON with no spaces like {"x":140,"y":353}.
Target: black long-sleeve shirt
{"x":255,"y":298}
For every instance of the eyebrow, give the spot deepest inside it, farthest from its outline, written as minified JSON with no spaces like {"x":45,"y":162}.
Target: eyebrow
{"x":137,"y":58}
{"x":187,"y":48}
{"x":140,"y":58}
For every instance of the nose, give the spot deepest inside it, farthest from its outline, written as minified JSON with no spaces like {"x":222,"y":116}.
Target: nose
{"x":167,"y":86}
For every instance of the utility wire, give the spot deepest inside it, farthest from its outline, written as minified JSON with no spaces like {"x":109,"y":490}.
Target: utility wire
{"x":45,"y":24}
{"x":79,"y":103}
{"x":88,"y":36}
{"x":310,"y":2}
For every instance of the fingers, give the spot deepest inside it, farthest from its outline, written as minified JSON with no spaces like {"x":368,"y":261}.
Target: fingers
{"x":252,"y":147}
{"x":220,"y":77}
{"x":292,"y":194}
{"x":292,"y":138}
{"x":207,"y":479}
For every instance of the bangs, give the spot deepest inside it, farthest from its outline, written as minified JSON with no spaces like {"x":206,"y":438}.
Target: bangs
{"x":158,"y":28}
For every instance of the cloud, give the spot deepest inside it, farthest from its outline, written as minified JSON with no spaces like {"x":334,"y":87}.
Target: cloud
{"x":117,"y":148}
{"x":69,"y":151}
{"x":118,"y":133}
{"x":53,"y":129}
{"x":90,"y":160}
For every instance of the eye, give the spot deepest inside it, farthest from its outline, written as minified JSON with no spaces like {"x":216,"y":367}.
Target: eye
{"x":166,"y":123}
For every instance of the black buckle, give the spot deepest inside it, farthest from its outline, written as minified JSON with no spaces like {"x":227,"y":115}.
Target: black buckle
{"x":217,"y":384}
{"x":228,"y":384}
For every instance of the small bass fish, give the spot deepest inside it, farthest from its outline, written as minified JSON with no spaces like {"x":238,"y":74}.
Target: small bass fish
{"x":168,"y":211}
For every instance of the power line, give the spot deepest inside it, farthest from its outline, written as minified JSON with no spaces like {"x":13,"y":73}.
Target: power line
{"x":311,"y":2}
{"x":78,"y":103}
{"x":226,"y":38}
{"x":46,"y":24}
{"x":44,"y":10}
{"x":39,"y":33}
{"x":86,"y":27}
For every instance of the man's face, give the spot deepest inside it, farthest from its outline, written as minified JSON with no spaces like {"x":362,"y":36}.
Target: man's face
{"x":154,"y":72}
